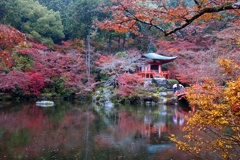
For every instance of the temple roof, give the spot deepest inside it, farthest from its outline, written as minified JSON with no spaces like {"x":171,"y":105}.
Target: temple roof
{"x":157,"y":57}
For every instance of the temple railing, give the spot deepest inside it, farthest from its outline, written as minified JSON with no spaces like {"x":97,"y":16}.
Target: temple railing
{"x":152,"y":74}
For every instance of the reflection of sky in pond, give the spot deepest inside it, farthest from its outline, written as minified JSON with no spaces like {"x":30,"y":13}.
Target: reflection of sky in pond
{"x":80,"y":131}
{"x":159,"y":147}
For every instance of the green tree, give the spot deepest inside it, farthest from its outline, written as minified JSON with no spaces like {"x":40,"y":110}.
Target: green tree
{"x":83,"y":15}
{"x":31,"y":17}
{"x":65,"y":7}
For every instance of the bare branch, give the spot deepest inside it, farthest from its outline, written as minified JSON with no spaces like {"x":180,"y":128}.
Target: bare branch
{"x":196,"y":2}
{"x":223,"y":7}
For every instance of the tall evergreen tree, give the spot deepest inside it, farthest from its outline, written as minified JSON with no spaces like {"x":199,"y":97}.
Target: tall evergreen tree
{"x":31,"y":17}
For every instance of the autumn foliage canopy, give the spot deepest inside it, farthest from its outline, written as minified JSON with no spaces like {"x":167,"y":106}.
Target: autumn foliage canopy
{"x":29,"y":68}
{"x":166,"y":16}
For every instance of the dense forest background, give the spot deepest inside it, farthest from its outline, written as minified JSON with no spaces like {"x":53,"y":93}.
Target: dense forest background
{"x":50,"y":22}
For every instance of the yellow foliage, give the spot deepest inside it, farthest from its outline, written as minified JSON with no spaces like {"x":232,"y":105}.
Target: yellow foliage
{"x":215,"y":126}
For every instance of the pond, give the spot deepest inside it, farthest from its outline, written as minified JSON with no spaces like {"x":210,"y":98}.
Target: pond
{"x":71,"y":130}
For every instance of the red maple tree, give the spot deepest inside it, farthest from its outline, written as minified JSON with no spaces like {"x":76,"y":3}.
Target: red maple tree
{"x":9,"y":38}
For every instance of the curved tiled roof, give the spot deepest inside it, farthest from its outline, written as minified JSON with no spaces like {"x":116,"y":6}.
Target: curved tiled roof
{"x":159,"y":57}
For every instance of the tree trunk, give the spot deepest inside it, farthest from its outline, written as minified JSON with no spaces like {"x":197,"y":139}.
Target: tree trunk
{"x":119,"y":42}
{"x":110,"y":44}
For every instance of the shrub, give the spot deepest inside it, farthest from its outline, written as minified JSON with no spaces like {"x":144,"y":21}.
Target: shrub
{"x":171,"y":82}
{"x":162,"y":89}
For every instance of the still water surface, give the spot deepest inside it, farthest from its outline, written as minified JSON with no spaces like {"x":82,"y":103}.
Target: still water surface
{"x":71,"y":130}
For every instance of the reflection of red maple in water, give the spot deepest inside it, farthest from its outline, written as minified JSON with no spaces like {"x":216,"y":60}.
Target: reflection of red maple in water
{"x":34,"y":118}
{"x":29,"y":117}
{"x":128,"y":123}
{"x":63,"y":136}
{"x":46,"y":135}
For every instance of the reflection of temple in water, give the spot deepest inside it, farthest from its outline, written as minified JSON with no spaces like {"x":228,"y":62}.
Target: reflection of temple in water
{"x":157,"y":127}
{"x":152,"y":123}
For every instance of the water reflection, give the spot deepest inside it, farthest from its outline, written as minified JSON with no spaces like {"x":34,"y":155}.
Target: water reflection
{"x":87,"y":131}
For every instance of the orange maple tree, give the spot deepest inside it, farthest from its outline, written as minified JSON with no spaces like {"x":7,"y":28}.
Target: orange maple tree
{"x":166,"y":16}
